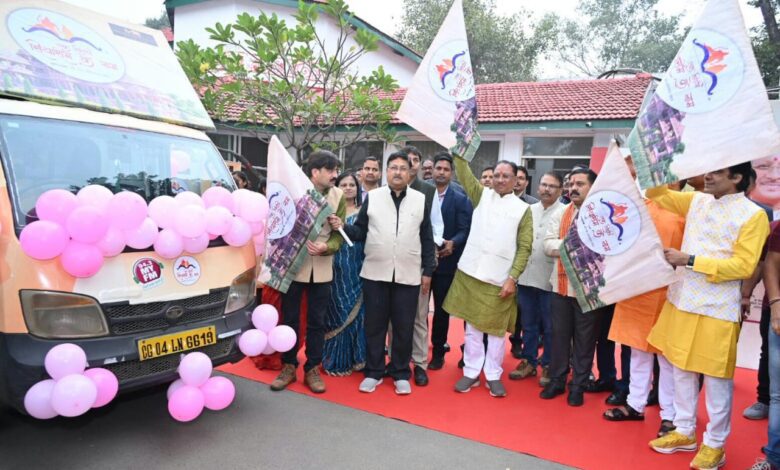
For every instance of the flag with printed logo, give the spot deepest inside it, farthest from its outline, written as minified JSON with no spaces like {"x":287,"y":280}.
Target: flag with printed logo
{"x":296,"y":214}
{"x":441,"y":101}
{"x":612,"y":251}
{"x":711,"y":109}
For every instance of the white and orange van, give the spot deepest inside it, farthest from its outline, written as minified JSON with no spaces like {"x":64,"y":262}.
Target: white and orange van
{"x":86,"y":99}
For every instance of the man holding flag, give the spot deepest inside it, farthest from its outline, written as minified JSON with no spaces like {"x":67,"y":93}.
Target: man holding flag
{"x":699,"y":325}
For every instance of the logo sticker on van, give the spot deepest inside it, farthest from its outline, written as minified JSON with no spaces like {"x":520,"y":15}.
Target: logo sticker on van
{"x":148,"y":273}
{"x":186,"y":270}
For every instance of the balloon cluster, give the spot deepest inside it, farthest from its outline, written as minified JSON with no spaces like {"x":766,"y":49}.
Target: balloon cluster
{"x":267,"y":337}
{"x":85,"y":228}
{"x":72,"y":390}
{"x":196,"y":389}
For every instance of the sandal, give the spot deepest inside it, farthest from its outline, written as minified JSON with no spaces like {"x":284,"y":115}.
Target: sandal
{"x":625,"y":413}
{"x":666,"y":427}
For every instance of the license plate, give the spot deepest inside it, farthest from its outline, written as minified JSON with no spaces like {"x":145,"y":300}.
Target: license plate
{"x":157,"y":346}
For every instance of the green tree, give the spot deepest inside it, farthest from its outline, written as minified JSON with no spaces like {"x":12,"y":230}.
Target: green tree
{"x":160,"y":22}
{"x":291,"y":81}
{"x":612,"y":34}
{"x":501,"y":49}
{"x":766,"y":42}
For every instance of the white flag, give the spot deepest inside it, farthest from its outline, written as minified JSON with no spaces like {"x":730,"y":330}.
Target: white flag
{"x":711,"y":109}
{"x":297,"y":212}
{"x":441,"y":101}
{"x":612,"y":251}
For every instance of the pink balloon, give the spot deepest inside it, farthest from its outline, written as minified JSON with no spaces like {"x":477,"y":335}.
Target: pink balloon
{"x":253,"y":207}
{"x":127,"y":210}
{"x":218,"y":196}
{"x":265,"y":317}
{"x":169,"y":244}
{"x":257,"y":228}
{"x":195,"y":369}
{"x":252,"y":342}
{"x":86,"y":224}
{"x":175,"y":385}
{"x":37,"y":400}
{"x":81,"y":260}
{"x":186,"y":403}
{"x":73,"y":395}
{"x":190,"y":221}
{"x":106,"y":383}
{"x":188,"y":198}
{"x":218,"y":220}
{"x":269,"y":349}
{"x":259,"y":242}
{"x":218,"y":393}
{"x":65,"y":359}
{"x":282,"y":338}
{"x":56,"y":205}
{"x":212,"y":236}
{"x":239,"y":233}
{"x":112,"y":243}
{"x":161,"y":210}
{"x":96,"y":196}
{"x":43,"y":239}
{"x":196,"y":245}
{"x":238,"y":196}
{"x":144,"y":236}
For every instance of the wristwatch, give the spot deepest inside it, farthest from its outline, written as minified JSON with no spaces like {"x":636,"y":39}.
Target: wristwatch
{"x":691,"y":260}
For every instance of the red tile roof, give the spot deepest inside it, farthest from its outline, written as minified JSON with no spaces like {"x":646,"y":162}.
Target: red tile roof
{"x":570,"y":100}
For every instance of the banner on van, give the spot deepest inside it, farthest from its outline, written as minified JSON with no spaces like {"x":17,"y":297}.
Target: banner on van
{"x":58,"y":53}
{"x":296,"y":214}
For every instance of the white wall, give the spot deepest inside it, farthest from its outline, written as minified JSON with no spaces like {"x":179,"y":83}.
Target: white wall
{"x":191,"y":21}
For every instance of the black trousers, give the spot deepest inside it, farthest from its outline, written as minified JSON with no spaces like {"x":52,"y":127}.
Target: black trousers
{"x":397,"y":304}
{"x":572,"y":327}
{"x":319,"y":296}
{"x":440,"y":284}
{"x":763,"y":363}
{"x":605,"y":348}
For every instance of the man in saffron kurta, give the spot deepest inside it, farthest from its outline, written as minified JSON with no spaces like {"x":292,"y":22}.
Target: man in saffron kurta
{"x":699,"y":325}
{"x":483,"y":290}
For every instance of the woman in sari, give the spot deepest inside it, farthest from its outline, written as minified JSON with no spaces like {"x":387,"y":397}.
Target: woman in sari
{"x":345,"y":342}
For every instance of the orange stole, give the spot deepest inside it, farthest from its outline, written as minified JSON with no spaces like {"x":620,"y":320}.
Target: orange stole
{"x":566,"y":220}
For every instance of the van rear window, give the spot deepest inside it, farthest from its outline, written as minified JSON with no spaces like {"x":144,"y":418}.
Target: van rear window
{"x":42,"y":154}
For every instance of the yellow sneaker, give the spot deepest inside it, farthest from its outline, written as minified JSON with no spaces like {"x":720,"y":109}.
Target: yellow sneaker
{"x":673,"y":442}
{"x":709,"y":458}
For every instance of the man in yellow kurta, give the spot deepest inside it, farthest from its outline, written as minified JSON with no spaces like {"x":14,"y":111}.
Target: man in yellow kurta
{"x":483,"y":290}
{"x":698,"y":327}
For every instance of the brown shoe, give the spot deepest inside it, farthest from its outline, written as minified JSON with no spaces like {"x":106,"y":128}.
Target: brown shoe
{"x":545,"y":378}
{"x":313,"y":380}
{"x":285,"y":378}
{"x":523,"y":370}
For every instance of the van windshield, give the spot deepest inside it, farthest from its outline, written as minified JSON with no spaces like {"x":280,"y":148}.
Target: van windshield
{"x":42,"y":154}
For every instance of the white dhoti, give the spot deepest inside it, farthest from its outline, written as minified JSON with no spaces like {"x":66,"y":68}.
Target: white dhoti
{"x":476,"y":359}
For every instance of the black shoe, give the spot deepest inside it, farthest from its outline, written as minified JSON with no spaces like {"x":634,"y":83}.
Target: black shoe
{"x":551,"y":391}
{"x":576,"y":398}
{"x":517,"y":350}
{"x":598,"y":386}
{"x":420,"y":376}
{"x":446,"y":348}
{"x":437,"y":362}
{"x":461,"y":364}
{"x":617,"y":398}
{"x":652,"y":398}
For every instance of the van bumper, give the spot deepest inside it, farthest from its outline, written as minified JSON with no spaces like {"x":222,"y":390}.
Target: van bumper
{"x":22,"y":356}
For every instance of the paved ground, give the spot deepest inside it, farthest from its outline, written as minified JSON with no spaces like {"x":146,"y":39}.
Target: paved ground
{"x":261,"y":430}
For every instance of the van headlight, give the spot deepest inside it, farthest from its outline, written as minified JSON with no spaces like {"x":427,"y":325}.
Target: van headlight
{"x":62,"y":315}
{"x":242,"y":291}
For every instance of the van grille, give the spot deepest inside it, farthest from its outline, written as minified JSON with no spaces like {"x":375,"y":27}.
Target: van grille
{"x":130,"y":370}
{"x":125,"y":319}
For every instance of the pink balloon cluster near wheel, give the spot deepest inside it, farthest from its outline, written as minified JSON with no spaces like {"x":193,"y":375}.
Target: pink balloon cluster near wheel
{"x":195,"y":389}
{"x":72,"y":389}
{"x":85,"y":228}
{"x":267,"y":337}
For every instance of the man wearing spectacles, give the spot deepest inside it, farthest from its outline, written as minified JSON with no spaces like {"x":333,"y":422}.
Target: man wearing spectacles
{"x":534,"y":289}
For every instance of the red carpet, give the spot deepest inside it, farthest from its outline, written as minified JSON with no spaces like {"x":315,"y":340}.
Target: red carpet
{"x":522,"y":422}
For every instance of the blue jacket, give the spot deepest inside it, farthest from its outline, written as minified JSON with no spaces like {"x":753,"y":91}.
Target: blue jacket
{"x":456,"y":211}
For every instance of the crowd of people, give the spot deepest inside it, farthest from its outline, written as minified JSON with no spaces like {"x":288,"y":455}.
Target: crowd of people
{"x":484,"y":250}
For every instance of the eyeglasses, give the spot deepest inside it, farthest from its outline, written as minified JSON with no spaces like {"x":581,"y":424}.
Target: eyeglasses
{"x":549,"y":186}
